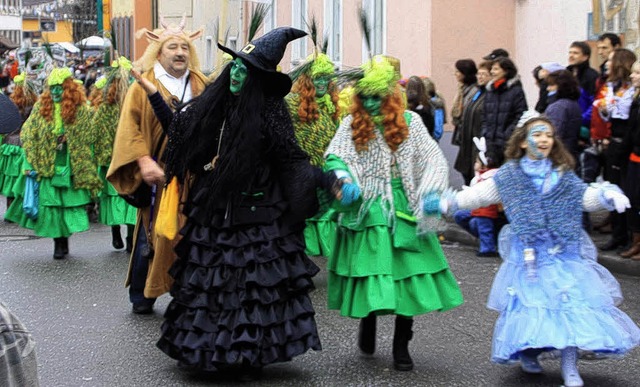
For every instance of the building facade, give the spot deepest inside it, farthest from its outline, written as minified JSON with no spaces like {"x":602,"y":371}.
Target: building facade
{"x":11,"y":20}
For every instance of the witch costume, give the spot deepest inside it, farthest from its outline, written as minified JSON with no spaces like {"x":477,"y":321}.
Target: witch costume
{"x":380,"y":265}
{"x":114,"y":211}
{"x":242,"y":279}
{"x":314,"y":114}
{"x":58,"y":150}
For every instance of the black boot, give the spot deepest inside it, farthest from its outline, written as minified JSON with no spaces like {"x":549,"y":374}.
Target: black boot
{"x":402,"y":334}
{"x":58,"y":250}
{"x":116,"y":238}
{"x":367,"y":334}
{"x":65,"y":245}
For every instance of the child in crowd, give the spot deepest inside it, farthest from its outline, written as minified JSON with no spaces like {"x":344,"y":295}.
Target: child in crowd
{"x":480,"y":222}
{"x":550,"y":291}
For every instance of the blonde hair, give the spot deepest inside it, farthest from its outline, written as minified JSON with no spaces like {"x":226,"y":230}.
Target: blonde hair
{"x":150,"y":56}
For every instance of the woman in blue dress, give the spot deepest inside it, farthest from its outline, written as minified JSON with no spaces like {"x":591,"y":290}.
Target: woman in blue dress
{"x":550,"y":291}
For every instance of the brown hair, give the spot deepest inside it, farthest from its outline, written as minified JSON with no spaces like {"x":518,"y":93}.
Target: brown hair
{"x":95,"y":97}
{"x":416,"y":93}
{"x":559,"y":155}
{"x":621,"y":63}
{"x":23,"y":98}
{"x":395,"y":126}
{"x":485,"y":65}
{"x":308,"y":109}
{"x":72,"y":97}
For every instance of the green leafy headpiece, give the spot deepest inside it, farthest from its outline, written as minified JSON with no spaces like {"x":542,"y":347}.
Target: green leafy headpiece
{"x":379,"y":77}
{"x":58,"y":75}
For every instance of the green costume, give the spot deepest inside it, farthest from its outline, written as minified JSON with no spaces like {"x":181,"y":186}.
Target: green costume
{"x":314,"y":138}
{"x":113,"y":209}
{"x":67,"y":173}
{"x":11,"y":157}
{"x":380,"y":263}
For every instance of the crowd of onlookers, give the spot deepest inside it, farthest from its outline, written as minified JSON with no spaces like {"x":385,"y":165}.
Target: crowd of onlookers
{"x":595,"y":114}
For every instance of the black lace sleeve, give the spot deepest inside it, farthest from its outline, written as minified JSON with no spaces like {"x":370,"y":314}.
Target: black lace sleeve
{"x":299,"y":179}
{"x":161,"y":110}
{"x":174,"y":153}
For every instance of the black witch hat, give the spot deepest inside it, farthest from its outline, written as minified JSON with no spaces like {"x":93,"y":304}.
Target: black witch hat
{"x":265,"y":53}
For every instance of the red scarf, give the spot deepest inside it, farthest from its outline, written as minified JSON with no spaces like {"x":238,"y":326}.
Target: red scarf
{"x":498,"y":83}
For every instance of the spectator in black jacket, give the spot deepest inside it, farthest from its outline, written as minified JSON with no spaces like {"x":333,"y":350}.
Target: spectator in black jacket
{"x":503,"y":105}
{"x":579,"y":54}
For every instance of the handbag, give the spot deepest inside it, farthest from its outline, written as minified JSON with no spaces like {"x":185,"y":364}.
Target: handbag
{"x":167,"y":220}
{"x":31,"y":200}
{"x":141,"y":197}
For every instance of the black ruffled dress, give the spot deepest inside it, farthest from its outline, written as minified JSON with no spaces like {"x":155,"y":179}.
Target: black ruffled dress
{"x":242,"y":279}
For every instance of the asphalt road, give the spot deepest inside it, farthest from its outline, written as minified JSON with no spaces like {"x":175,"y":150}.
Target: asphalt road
{"x":79,"y":314}
{"x":86,"y":335}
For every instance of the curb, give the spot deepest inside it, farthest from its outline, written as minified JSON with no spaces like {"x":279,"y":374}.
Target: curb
{"x":608,"y":259}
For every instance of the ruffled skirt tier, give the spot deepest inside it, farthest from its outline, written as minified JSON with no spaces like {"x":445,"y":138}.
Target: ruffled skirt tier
{"x":240,"y":296}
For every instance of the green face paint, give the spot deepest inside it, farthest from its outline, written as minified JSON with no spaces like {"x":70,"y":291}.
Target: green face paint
{"x":239,"y":73}
{"x":322,"y":86}
{"x":56,"y":93}
{"x":372,"y":104}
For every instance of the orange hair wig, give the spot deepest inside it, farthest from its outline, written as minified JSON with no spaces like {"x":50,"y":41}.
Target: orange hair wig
{"x":308,"y":109}
{"x":23,"y":98}
{"x":395,"y":126}
{"x":72,"y":97}
{"x":95,"y":97}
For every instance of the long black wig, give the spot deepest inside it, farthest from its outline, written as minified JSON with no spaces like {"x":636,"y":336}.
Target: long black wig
{"x":196,"y":131}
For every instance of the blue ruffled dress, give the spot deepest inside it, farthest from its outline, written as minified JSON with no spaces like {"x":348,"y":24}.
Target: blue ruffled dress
{"x":567,"y":299}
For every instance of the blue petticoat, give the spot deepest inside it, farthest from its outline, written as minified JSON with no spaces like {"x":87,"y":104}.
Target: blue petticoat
{"x":570,"y":302}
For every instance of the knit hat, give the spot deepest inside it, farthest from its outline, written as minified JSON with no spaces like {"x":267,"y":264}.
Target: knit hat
{"x":552,"y":66}
{"x":497,"y":53}
{"x":265,"y":53}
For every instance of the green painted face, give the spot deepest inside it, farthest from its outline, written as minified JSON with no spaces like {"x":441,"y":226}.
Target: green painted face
{"x":321,"y":84}
{"x":372,"y":104}
{"x":239,"y":73}
{"x":56,"y":93}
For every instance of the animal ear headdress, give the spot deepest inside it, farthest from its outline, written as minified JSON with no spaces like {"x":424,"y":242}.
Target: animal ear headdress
{"x":157,"y":37}
{"x":481,"y":144}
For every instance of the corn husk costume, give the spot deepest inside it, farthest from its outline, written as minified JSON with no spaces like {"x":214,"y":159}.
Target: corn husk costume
{"x":11,"y":152}
{"x":138,"y":134}
{"x":61,"y":155}
{"x":387,"y":258}
{"x":113,"y":209}
{"x":314,"y":133}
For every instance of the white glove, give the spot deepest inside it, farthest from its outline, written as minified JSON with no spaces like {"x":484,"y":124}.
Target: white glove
{"x":444,"y":205}
{"x":619,"y":200}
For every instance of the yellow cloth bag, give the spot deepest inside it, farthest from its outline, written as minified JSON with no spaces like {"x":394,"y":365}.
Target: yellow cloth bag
{"x":167,"y":220}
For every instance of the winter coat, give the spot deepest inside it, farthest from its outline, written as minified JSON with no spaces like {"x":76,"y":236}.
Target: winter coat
{"x":566,"y":116}
{"x":587,"y":78}
{"x":472,"y":119}
{"x":502,"y":110}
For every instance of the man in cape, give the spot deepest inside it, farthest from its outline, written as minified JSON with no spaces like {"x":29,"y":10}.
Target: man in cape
{"x":171,"y":64}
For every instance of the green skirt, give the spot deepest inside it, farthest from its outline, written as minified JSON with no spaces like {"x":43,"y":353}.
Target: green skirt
{"x":114,"y":210}
{"x":380,"y":265}
{"x":11,"y":157}
{"x":61,"y":210}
